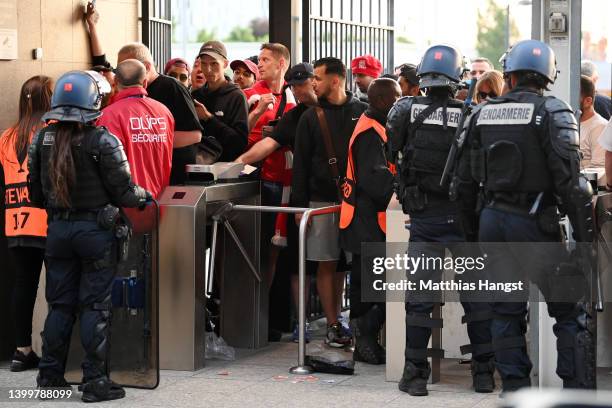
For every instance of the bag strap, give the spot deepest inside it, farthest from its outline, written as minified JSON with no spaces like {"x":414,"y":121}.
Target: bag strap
{"x":332,"y":160}
{"x":283,"y":103}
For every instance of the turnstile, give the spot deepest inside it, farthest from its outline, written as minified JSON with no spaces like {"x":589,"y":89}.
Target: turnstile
{"x":185,"y":214}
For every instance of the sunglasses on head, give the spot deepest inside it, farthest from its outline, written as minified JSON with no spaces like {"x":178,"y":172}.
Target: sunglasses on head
{"x":180,"y":77}
{"x":486,"y":95}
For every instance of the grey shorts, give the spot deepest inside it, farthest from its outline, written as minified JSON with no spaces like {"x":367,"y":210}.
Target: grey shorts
{"x":323,"y":236}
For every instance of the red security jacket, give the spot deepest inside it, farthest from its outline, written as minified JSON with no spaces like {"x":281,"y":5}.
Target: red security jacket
{"x":146,"y":129}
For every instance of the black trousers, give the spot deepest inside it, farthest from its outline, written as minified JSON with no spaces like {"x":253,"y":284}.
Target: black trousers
{"x":28,"y":263}
{"x":81,"y":265}
{"x":358,"y":306}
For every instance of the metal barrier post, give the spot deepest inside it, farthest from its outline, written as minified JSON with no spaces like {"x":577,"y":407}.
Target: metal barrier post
{"x":301,"y":368}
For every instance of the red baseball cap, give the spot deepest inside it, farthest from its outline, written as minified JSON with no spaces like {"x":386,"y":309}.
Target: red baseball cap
{"x":367,"y":65}
{"x":177,"y":62}
{"x":248,"y":64}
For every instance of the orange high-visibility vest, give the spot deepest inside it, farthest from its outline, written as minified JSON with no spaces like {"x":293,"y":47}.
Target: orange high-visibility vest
{"x":22,"y":219}
{"x":347,"y":208}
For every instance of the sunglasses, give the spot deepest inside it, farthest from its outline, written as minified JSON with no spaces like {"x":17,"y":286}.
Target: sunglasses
{"x":486,"y":95}
{"x":180,"y":77}
{"x":246,"y":74}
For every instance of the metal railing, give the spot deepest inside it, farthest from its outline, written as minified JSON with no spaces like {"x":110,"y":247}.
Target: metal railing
{"x":347,"y":29}
{"x":307,"y":214}
{"x":157,"y":29}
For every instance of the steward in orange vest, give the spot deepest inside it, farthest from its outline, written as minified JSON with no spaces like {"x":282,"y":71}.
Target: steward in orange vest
{"x":23,"y":220}
{"x":368,"y":185}
{"x":366,"y":192}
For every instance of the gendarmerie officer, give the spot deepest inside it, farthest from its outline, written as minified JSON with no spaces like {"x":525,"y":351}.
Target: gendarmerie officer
{"x":421,"y":131}
{"x":520,"y":162}
{"x":80,"y":174}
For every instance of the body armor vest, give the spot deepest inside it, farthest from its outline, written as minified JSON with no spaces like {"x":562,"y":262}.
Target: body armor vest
{"x":507,"y":151}
{"x":428,"y":146}
{"x":88,"y":191}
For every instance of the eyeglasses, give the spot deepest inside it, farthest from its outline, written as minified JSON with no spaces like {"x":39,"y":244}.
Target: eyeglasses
{"x":180,"y":77}
{"x":486,"y":95}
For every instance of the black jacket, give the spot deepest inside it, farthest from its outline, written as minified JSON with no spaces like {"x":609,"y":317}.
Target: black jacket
{"x":374,"y":188}
{"x":603,"y":105}
{"x":312,"y":177}
{"x":229,"y":124}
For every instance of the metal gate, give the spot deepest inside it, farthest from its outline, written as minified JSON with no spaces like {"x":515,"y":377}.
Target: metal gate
{"x":157,"y":29}
{"x":347,"y":29}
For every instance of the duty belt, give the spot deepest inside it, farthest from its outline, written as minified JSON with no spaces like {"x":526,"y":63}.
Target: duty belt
{"x":527,"y":204}
{"x":78,"y":215}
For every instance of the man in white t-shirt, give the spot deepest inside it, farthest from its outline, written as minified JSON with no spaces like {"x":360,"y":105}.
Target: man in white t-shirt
{"x":591,"y":127}
{"x":605,"y":141}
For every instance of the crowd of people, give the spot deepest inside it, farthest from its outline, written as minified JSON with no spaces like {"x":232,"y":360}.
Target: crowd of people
{"x":316,"y":144}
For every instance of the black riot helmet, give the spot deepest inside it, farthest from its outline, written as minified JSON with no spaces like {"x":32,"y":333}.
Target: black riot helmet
{"x":441,"y":66}
{"x":77,"y":97}
{"x":531,"y":56}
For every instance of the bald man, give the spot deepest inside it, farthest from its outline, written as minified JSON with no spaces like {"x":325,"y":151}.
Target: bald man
{"x":367,"y":190}
{"x":144,"y":126}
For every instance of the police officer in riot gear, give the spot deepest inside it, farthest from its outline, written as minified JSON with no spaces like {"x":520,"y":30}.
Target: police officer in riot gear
{"x":421,"y":131}
{"x":519,"y":164}
{"x":80,"y":174}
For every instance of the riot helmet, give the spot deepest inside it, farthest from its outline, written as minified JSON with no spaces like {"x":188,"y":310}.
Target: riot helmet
{"x":441,"y":66}
{"x":531,"y":56}
{"x":77,"y":97}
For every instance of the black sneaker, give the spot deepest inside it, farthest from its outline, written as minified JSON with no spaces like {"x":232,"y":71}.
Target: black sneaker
{"x":52,"y":383}
{"x":336,"y":336}
{"x":101,"y":389}
{"x":21,"y":362}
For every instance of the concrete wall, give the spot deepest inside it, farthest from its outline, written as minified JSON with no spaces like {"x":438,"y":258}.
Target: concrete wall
{"x":57,"y":27}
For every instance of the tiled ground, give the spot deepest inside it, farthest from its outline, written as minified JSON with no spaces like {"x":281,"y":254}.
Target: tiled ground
{"x":261,"y":380}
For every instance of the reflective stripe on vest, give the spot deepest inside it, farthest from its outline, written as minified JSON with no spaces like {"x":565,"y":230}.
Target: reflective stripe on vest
{"x":22,"y":219}
{"x":347,"y":209}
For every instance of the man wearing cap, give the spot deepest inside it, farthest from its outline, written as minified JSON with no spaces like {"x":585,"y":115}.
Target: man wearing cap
{"x":246,"y":73}
{"x":144,"y":126}
{"x":299,"y":78}
{"x":365,"y":69}
{"x":187,"y":130}
{"x":408,"y":80}
{"x":220,"y":104}
{"x":178,"y":69}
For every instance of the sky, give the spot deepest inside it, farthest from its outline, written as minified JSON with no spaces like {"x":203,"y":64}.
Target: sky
{"x":421,"y":21}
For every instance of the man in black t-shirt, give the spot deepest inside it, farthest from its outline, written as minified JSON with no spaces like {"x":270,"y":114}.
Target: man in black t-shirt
{"x":170,"y":92}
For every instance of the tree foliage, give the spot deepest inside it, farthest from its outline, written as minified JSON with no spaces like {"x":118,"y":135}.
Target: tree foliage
{"x":491,"y":37}
{"x":206,"y":35}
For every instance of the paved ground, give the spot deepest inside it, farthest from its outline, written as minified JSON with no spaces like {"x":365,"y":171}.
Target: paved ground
{"x":261,"y":380}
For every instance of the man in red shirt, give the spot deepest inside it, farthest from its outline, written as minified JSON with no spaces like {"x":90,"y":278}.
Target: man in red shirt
{"x":144,"y":126}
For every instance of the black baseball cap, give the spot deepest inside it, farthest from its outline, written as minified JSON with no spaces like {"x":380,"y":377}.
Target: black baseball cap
{"x":299,"y":73}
